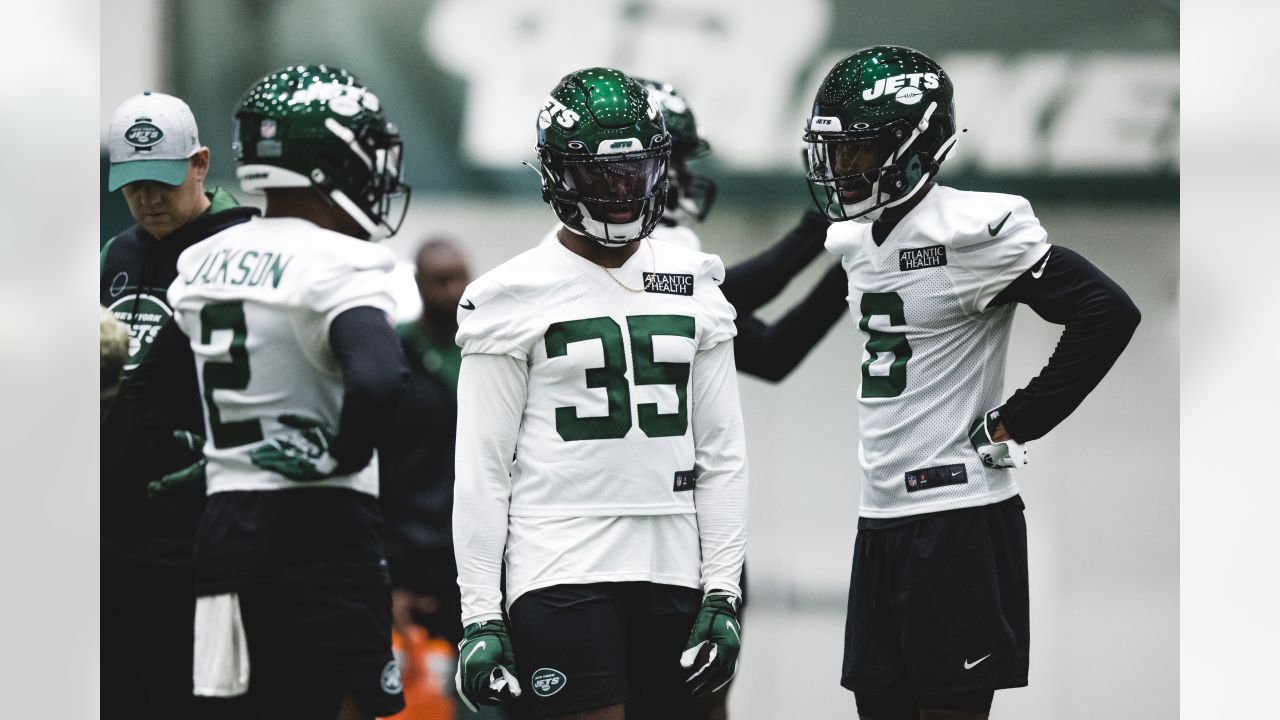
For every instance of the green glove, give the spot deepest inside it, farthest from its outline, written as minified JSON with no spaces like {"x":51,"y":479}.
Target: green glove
{"x":190,"y":477}
{"x":717,"y":626}
{"x":486,"y":665}
{"x":300,"y":454}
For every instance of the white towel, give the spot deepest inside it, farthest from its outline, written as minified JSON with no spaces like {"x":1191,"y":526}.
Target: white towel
{"x":221,"y":667}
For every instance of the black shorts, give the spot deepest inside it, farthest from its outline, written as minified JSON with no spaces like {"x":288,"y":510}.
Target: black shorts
{"x":310,"y":647}
{"x":938,"y":603}
{"x":582,"y":647}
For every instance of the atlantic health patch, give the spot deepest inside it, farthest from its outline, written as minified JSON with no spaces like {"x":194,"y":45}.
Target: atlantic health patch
{"x":920,"y":258}
{"x":668,"y":283}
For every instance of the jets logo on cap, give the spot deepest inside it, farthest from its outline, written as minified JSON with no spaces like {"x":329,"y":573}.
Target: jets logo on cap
{"x":143,"y":135}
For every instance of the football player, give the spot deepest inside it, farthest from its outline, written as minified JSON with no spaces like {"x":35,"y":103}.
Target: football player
{"x":938,"y":604}
{"x":288,"y":316}
{"x":603,"y":364}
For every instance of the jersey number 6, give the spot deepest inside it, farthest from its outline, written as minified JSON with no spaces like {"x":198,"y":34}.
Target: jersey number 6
{"x":880,"y":342}
{"x":613,"y":375}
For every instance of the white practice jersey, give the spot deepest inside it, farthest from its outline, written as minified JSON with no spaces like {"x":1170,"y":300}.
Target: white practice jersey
{"x":606,"y":470}
{"x":678,"y":235}
{"x":935,"y":353}
{"x":256,"y":301}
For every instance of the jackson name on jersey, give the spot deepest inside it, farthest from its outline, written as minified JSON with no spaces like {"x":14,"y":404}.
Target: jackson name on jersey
{"x":256,"y":301}
{"x":935,"y":352}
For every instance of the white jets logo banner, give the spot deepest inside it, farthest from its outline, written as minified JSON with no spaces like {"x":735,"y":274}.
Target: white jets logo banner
{"x":895,"y":84}
{"x":554,"y":110}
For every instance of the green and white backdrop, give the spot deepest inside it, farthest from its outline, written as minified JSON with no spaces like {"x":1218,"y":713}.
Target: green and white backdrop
{"x":1074,"y":105}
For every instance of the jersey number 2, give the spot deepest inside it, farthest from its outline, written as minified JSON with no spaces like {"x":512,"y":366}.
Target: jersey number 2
{"x":880,"y":342}
{"x":227,"y":375}
{"x":613,"y":376}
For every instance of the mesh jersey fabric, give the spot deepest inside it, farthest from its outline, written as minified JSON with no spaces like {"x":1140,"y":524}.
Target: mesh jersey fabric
{"x":935,"y":353}
{"x":256,"y":301}
{"x":591,"y":344}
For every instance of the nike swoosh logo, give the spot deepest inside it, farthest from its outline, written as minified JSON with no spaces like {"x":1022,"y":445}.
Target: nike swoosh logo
{"x":467,"y":305}
{"x":958,"y":472}
{"x":480,"y":646}
{"x":996,"y":230}
{"x":1037,"y":273}
{"x":970,"y":665}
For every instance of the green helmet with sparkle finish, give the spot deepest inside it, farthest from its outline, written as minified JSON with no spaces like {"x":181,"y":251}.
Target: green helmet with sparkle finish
{"x":603,"y":149}
{"x":318,"y":126}
{"x":882,"y":123}
{"x":690,"y":196}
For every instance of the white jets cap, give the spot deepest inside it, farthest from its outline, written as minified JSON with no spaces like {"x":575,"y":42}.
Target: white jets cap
{"x":152,"y":136}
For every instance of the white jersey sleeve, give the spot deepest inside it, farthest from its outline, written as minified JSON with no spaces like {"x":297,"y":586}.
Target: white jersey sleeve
{"x":491,"y":398}
{"x":996,"y":239}
{"x":357,"y":276}
{"x":718,"y":313}
{"x":490,"y":320}
{"x":720,"y":466}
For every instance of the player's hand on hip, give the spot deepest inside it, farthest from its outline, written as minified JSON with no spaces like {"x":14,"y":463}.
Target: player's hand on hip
{"x":486,"y":665}
{"x":300,"y":453}
{"x":189,"y":479}
{"x":712,"y":650}
{"x":993,"y":444}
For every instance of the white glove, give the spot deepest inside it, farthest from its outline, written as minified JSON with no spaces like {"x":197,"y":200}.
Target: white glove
{"x":1004,"y":454}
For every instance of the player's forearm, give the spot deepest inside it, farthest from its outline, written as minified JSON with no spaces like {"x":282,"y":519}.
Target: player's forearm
{"x":755,"y":281}
{"x":771,"y":352}
{"x":721,"y":465}
{"x":1100,"y":318}
{"x":373,"y":376}
{"x":491,"y":398}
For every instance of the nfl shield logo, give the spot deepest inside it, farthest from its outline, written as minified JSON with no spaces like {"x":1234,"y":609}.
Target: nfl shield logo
{"x":267,"y":129}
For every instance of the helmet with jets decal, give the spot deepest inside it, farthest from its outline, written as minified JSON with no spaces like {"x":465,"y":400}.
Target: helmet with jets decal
{"x":689,"y":196}
{"x":603,"y":148}
{"x":882,"y":123}
{"x":318,"y":126}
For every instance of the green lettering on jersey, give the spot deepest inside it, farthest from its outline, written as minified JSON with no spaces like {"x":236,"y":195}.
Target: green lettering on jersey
{"x":649,"y":372}
{"x":277,"y":270}
{"x":612,"y":376}
{"x":880,"y":342}
{"x":227,"y":375}
{"x":244,"y":269}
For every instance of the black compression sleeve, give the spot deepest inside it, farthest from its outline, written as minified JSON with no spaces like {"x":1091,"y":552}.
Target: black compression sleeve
{"x":751,"y":283}
{"x":1099,"y":318}
{"x":373,"y":374}
{"x":771,"y":352}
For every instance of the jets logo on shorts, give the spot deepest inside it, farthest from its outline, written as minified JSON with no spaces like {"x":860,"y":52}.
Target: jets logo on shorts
{"x":548,"y":682}
{"x":392,"y":684}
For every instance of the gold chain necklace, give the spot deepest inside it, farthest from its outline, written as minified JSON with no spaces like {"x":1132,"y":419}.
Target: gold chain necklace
{"x":653,"y":261}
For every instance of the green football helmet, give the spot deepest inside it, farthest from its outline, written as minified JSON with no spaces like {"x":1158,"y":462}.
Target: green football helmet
{"x":689,"y":196}
{"x":318,"y":126}
{"x":882,"y":123}
{"x":603,"y":149}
